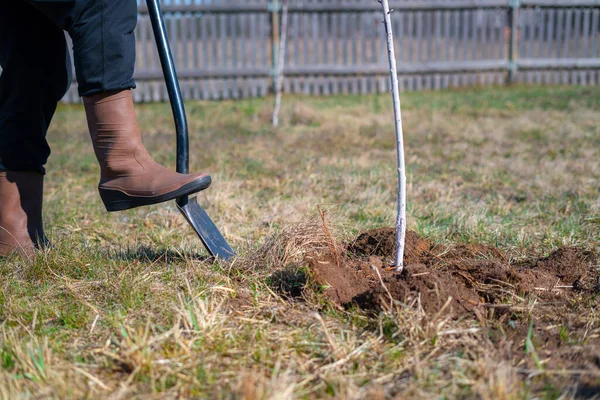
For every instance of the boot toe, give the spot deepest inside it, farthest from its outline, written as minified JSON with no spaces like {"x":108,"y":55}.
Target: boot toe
{"x":197,"y":183}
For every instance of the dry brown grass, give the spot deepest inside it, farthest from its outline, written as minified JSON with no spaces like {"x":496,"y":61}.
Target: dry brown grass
{"x":126,"y":305}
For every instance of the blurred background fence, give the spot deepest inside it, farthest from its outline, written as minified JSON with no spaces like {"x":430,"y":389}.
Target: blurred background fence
{"x":228,"y":48}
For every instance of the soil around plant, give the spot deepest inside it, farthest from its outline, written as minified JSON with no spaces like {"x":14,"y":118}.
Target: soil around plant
{"x":471,"y":275}
{"x":547,"y":300}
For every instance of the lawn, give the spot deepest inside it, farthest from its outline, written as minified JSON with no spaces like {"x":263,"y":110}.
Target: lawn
{"x":128,"y":305}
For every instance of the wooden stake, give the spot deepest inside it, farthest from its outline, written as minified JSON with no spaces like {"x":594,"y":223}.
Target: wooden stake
{"x":280,"y":63}
{"x":401,"y":221}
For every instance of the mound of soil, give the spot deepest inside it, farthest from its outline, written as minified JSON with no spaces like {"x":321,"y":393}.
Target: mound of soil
{"x":473,"y":275}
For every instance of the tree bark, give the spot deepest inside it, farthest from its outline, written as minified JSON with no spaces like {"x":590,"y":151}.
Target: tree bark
{"x":401,"y":220}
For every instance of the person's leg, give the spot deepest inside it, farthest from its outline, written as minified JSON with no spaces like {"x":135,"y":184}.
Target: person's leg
{"x":104,"y":53}
{"x":103,"y":40}
{"x":35,"y":75}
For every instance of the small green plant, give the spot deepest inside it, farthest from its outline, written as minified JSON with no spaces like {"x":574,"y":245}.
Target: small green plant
{"x":37,"y":358}
{"x":563,"y":333}
{"x":530,"y":347}
{"x":7,"y":359}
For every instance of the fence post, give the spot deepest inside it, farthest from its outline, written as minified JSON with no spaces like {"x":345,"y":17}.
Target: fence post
{"x":513,"y":44}
{"x":274,"y":9}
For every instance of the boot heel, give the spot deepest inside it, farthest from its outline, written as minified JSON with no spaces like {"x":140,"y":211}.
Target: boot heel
{"x":115,"y":200}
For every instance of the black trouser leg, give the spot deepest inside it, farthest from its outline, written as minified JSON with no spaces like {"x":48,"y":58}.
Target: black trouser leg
{"x":35,"y":75}
{"x":35,"y":66}
{"x":103,"y":40}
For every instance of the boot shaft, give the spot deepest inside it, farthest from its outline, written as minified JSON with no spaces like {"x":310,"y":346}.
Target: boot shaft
{"x":128,"y":176}
{"x":115,"y":134}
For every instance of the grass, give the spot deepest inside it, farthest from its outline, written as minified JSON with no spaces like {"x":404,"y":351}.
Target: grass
{"x":126,"y":304}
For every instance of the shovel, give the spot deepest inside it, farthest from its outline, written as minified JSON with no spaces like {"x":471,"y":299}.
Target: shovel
{"x":192,"y":211}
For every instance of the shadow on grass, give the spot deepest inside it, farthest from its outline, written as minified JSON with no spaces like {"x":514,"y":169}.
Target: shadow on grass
{"x":587,"y":391}
{"x":289,"y":283}
{"x":161,"y":255}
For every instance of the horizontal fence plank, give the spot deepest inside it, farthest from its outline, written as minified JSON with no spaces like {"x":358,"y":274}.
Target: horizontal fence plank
{"x":397,"y":5}
{"x":327,"y":8}
{"x":337,"y":70}
{"x":221,"y":8}
{"x":403,"y":68}
{"x":206,"y":73}
{"x":563,"y":63}
{"x":560,"y":3}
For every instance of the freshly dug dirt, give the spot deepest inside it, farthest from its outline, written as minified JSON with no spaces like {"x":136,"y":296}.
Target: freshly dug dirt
{"x":551,"y":303}
{"x":473,"y":276}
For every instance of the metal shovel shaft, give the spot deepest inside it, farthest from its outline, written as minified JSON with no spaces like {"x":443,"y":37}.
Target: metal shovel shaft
{"x":170,"y":74}
{"x":191,"y":210}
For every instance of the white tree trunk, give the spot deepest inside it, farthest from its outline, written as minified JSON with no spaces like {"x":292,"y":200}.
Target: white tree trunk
{"x":401,"y":221}
{"x":281,"y":62}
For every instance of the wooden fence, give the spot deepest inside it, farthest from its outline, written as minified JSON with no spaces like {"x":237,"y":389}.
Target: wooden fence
{"x":227,"y":49}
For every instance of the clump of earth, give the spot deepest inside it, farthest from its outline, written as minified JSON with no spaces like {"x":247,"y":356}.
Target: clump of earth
{"x":474,"y":276}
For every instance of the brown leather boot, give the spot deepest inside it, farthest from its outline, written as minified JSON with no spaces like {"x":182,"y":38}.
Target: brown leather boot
{"x":128,"y":176}
{"x":21,"y":227}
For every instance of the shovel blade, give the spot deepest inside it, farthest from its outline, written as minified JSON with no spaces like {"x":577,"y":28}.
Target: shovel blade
{"x":212,"y":239}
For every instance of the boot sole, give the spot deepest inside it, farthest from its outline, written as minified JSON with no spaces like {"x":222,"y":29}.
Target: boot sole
{"x":115,"y":200}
